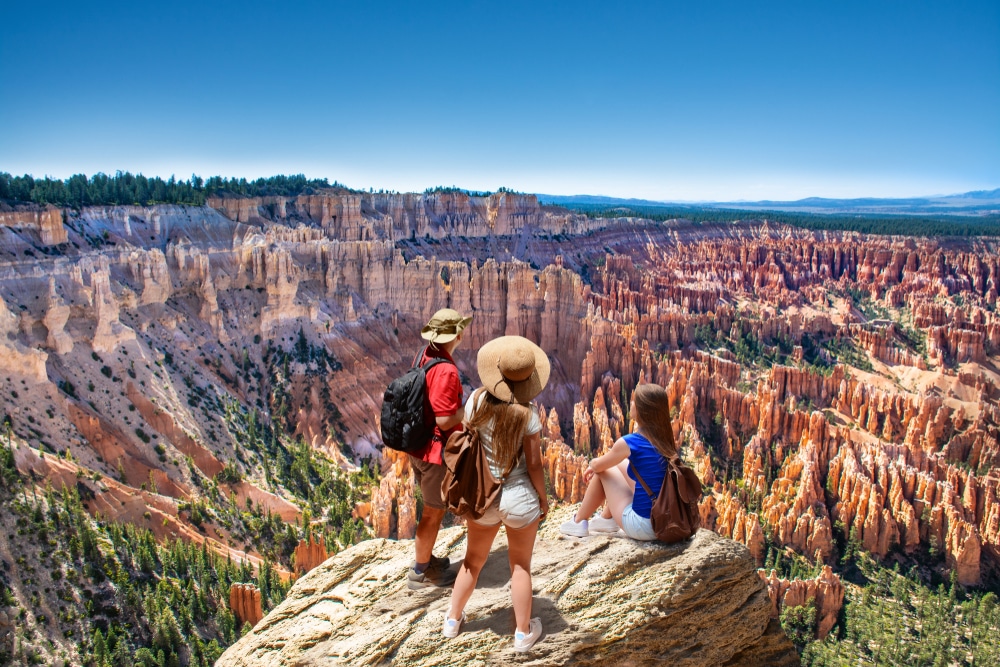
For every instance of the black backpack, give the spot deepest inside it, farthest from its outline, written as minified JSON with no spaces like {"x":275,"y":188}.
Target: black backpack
{"x":405,"y":424}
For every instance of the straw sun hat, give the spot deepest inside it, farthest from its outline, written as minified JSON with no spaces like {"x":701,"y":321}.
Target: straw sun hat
{"x":444,"y":326}
{"x":513,"y":368}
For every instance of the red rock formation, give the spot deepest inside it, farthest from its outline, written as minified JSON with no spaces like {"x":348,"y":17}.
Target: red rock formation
{"x":244,"y":601}
{"x":826,"y":590}
{"x":726,"y":515}
{"x":309,"y":553}
{"x":393,"y":508}
{"x":960,"y":345}
{"x":565,"y":468}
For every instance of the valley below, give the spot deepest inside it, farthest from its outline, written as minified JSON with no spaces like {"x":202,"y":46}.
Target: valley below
{"x":190,"y":399}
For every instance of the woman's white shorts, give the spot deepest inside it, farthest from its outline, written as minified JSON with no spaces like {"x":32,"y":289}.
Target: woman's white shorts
{"x":518,"y":505}
{"x":637,"y":527}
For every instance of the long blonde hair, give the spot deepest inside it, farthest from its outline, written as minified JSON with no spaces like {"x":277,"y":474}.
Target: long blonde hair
{"x":652,"y":414}
{"x":509,"y":423}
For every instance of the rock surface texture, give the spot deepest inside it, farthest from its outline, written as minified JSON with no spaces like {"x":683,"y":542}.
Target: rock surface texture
{"x":602,"y":600}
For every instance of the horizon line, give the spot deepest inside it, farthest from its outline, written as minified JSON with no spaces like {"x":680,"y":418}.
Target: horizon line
{"x":539,"y":194}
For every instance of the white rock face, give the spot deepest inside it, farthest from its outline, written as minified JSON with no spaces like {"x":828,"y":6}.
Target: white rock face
{"x":109,"y":332}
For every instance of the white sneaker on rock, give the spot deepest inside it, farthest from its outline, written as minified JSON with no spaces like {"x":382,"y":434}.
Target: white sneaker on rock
{"x":601,"y":525}
{"x":450,"y":628}
{"x":524,"y":642}
{"x":575,"y":528}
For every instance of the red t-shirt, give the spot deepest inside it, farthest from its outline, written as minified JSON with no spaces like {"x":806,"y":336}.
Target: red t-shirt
{"x":444,"y":398}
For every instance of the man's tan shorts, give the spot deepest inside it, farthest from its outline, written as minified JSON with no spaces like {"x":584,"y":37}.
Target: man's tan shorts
{"x":430,"y":477}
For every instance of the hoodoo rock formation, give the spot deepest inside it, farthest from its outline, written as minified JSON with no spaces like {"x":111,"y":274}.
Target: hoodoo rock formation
{"x":825,"y":591}
{"x":309,"y":554}
{"x":601,"y":600}
{"x":244,"y":601}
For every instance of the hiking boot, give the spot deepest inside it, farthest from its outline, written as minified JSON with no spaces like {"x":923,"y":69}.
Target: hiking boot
{"x":451,"y":628}
{"x":601,"y":525}
{"x":524,"y":642}
{"x":436,"y":574}
{"x":575,"y":528}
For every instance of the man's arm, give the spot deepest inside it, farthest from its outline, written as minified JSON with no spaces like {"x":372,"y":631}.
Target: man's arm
{"x":451,"y":421}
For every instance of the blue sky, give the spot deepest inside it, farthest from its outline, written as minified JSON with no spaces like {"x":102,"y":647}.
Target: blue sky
{"x":665,"y":100}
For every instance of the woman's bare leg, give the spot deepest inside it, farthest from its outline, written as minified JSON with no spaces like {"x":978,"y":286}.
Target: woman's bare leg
{"x":520,"y":544}
{"x":593,"y":498}
{"x":478,"y":543}
{"x":618,"y":489}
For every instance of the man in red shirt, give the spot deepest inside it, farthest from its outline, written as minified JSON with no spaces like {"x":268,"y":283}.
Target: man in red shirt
{"x":444,"y":401}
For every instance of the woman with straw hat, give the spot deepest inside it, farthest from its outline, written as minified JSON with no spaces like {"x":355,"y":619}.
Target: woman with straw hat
{"x":513,"y":371}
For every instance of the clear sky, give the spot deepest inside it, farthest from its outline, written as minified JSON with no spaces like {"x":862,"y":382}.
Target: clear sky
{"x":685,"y":100}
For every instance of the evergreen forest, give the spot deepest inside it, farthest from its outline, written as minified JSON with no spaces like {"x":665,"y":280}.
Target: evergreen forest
{"x":128,"y":599}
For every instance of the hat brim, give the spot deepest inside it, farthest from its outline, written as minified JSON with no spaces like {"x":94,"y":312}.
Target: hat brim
{"x":429,"y":334}
{"x":506,"y":390}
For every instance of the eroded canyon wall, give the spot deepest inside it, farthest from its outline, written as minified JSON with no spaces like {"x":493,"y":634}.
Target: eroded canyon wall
{"x":827,"y":387}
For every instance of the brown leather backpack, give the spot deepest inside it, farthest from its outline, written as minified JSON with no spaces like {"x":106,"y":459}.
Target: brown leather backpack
{"x":675,"y":514}
{"x":469,"y":487}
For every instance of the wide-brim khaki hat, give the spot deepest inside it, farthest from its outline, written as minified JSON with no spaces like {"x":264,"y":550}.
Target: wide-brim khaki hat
{"x":513,"y":369}
{"x":444,"y":326}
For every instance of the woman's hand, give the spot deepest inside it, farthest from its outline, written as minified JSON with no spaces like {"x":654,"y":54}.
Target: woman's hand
{"x":544,"y":504}
{"x":618,"y":453}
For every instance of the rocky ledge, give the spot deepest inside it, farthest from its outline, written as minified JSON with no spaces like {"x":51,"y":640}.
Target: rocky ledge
{"x":602,"y":600}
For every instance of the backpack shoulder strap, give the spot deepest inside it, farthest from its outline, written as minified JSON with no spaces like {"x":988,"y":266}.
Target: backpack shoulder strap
{"x":645,"y":486}
{"x":476,"y":396}
{"x":431,"y":363}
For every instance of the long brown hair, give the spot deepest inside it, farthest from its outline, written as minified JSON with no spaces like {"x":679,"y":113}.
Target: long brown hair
{"x":652,"y":414}
{"x":509,"y":422}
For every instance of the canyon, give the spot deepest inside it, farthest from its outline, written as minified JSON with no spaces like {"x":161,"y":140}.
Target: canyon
{"x":834,"y":391}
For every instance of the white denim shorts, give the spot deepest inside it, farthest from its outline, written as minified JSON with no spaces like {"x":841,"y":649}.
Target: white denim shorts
{"x":518,"y":505}
{"x":637,"y":527}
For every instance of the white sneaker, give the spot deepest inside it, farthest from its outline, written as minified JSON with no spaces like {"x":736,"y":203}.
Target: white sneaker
{"x":601,"y":525}
{"x":450,"y":628}
{"x":524,"y":642}
{"x":575,"y":528}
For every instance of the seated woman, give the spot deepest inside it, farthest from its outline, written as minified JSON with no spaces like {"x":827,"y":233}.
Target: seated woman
{"x":611,"y":481}
{"x":513,"y":371}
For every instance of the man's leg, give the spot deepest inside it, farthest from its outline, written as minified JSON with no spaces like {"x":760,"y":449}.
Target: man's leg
{"x":427,"y":532}
{"x":427,"y":569}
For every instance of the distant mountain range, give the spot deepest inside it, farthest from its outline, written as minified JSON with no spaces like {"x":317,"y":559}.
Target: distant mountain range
{"x":979,"y":202}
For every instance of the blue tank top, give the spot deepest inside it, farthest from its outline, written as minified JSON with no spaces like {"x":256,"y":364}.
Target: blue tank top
{"x":651,"y":465}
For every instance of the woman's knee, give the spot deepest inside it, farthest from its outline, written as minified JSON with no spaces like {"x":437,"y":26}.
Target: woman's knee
{"x":617,"y":491}
{"x":473,"y":567}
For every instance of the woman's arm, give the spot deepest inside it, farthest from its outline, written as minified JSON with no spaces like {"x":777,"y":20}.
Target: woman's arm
{"x":533,"y":459}
{"x":618,"y":453}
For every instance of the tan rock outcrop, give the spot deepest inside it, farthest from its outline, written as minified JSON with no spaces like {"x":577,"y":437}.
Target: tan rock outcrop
{"x":695,"y":604}
{"x":15,"y":357}
{"x":56,"y":315}
{"x":109,"y":332}
{"x":48,"y":222}
{"x":150,"y":270}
